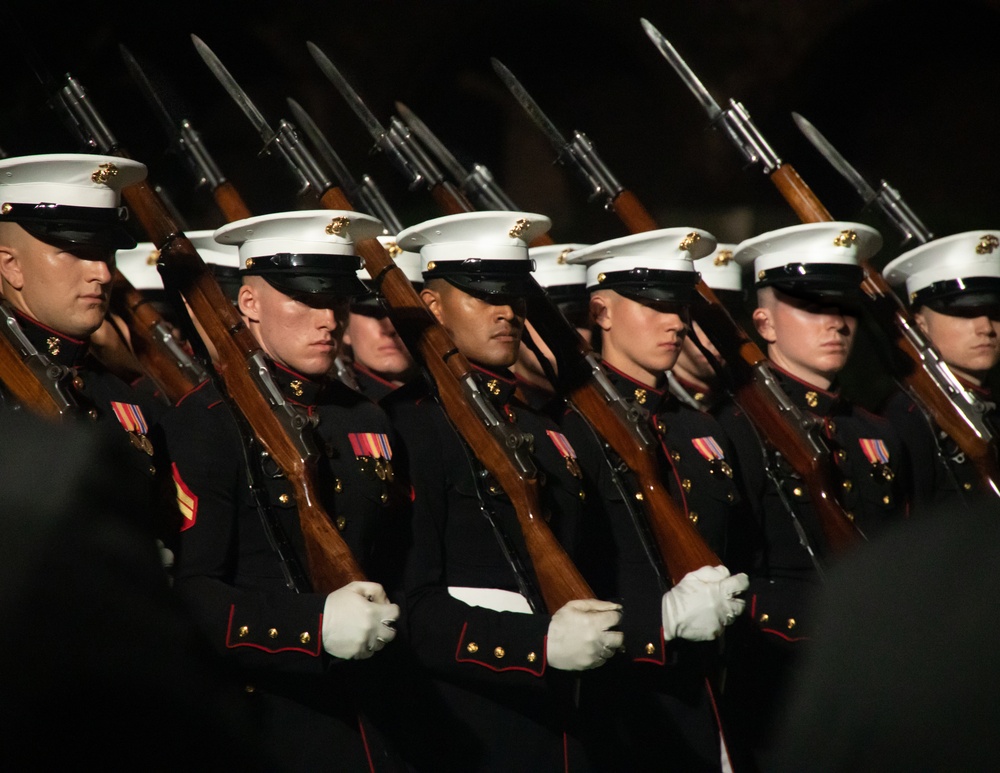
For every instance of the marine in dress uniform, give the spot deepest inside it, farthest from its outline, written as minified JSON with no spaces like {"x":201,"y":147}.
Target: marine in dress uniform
{"x":808,"y":284}
{"x":379,"y":360}
{"x":693,"y":379}
{"x":304,"y":656}
{"x":504,"y":667}
{"x":60,"y":224}
{"x":952,"y":287}
{"x":653,"y":707}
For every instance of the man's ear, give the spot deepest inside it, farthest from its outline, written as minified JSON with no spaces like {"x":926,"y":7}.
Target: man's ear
{"x":10,"y":267}
{"x":921,"y":321}
{"x":248,"y":303}
{"x":600,"y":312}
{"x":432,"y":299}
{"x":764,"y":323}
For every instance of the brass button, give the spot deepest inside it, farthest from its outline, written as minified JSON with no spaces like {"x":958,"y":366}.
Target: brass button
{"x":341,"y":522}
{"x":797,"y":491}
{"x":583,"y":494}
{"x":675,"y":456}
{"x":272,"y":633}
{"x":494,"y":489}
{"x":831,"y":427}
{"x":686,"y":484}
{"x":847,"y":485}
{"x":693,"y":516}
{"x":78,"y":382}
{"x":304,"y":637}
{"x":730,"y":497}
{"x":338,"y":486}
{"x":842,"y":455}
{"x":639,"y":497}
{"x":765,"y":617}
{"x":152,"y":470}
{"x":812,"y":399}
{"x":791,"y":623}
{"x":472,"y":647}
{"x":283,"y":499}
{"x":499,"y":652}
{"x":886,"y":499}
{"x":650,"y":648}
{"x":850,"y":516}
{"x":250,"y":689}
{"x":384,"y":498}
{"x":92,"y":413}
{"x":967,"y":486}
{"x":699,"y":396}
{"x":244,"y":632}
{"x":532,"y":657}
{"x":887,"y":472}
{"x":661,"y":427}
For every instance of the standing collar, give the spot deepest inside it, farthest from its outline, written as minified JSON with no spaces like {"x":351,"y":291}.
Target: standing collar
{"x":60,"y":348}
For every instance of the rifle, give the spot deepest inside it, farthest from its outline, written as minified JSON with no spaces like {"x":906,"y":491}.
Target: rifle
{"x":397,"y":143}
{"x":365,"y":190}
{"x":185,"y":140}
{"x":783,"y":425}
{"x":622,"y":428}
{"x":34,"y":380}
{"x":925,"y":377}
{"x":283,"y":431}
{"x":500,"y":447}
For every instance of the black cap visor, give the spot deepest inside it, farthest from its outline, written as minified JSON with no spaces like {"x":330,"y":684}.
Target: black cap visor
{"x":310,"y":275}
{"x":487,"y":278}
{"x":969,"y":296}
{"x":61,"y":224}
{"x":647,"y":284}
{"x":816,"y":281}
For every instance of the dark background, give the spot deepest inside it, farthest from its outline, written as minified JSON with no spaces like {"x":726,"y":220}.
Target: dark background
{"x":906,"y":91}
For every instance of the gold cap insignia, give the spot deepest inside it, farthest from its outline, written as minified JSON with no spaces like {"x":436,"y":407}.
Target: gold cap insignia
{"x":493,"y":386}
{"x":296,"y":387}
{"x":987,"y":243}
{"x":52,"y":344}
{"x":562,"y":255}
{"x":337,"y":226}
{"x":812,"y":399}
{"x":845,"y":238}
{"x":689,"y":241}
{"x":104,"y":173}
{"x":723,"y":258}
{"x":519,"y":228}
{"x":393,"y":249}
{"x":640,"y":396}
{"x":152,"y":257}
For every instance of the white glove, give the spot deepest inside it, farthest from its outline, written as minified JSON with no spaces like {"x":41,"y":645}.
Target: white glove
{"x":578,"y":636}
{"x":358,"y":620}
{"x":702,"y":604}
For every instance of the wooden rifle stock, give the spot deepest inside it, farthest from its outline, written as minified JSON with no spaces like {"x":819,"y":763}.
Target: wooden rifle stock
{"x":450,"y":199}
{"x":331,"y":563}
{"x":27,"y":387}
{"x":799,"y":195}
{"x":229,"y":201}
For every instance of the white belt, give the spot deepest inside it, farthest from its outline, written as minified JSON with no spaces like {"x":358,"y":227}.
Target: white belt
{"x":491,"y":598}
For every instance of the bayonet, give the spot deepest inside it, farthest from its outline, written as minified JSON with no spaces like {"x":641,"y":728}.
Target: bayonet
{"x":886,"y":198}
{"x":578,"y":153}
{"x":185,"y":141}
{"x":478,"y":184}
{"x":735,"y":122}
{"x":300,"y":161}
{"x":397,"y":142}
{"x":364,"y":191}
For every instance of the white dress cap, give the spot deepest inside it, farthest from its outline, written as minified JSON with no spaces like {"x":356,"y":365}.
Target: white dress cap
{"x":551,"y":267}
{"x":719,"y":271}
{"x":74,"y":197}
{"x":138,"y":266}
{"x":485,"y":252}
{"x":811,"y":258}
{"x":304,"y":251}
{"x":963,"y":266}
{"x":655,"y":265}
